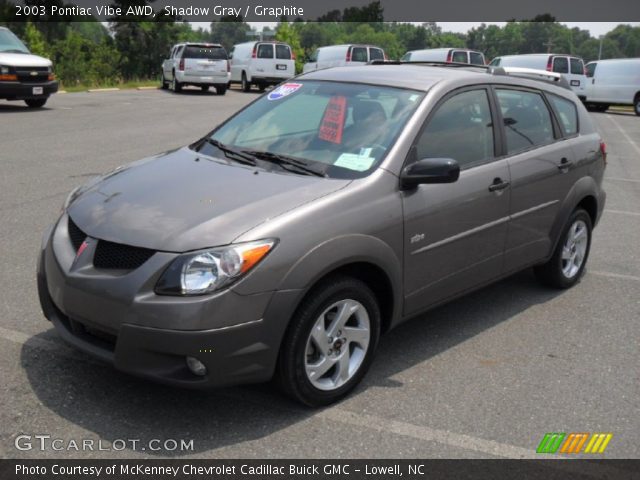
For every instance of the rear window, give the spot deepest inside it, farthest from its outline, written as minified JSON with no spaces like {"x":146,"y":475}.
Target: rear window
{"x":265,"y":50}
{"x":560,"y":65}
{"x":577,"y":67}
{"x":211,"y":53}
{"x":476,"y":58}
{"x":567,"y":113}
{"x":376,"y":54}
{"x":590,"y":69}
{"x":359,"y":54}
{"x":283,"y":52}
{"x":459,"y":57}
{"x":527,"y":120}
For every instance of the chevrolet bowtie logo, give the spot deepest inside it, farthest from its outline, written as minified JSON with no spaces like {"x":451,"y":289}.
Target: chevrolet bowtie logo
{"x":33,"y":74}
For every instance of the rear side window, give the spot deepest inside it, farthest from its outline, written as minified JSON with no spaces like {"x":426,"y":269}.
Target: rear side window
{"x":527,"y":120}
{"x":590,"y":69}
{"x":459,"y":57}
{"x":376,"y":54}
{"x":283,"y":52}
{"x":577,"y":67}
{"x":265,"y":50}
{"x":359,"y":54}
{"x":460,"y":129}
{"x":475,"y":58}
{"x":567,"y":113}
{"x":561,"y":65}
{"x":211,"y":53}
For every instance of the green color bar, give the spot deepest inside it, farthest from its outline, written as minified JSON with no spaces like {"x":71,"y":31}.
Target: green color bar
{"x":550,"y":442}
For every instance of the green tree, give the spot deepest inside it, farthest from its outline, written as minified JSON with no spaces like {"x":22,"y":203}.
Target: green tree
{"x":229,"y":31}
{"x":286,"y":33}
{"x":35,"y":40}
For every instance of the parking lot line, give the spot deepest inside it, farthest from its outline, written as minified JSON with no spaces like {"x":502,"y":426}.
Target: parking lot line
{"x":616,"y":179}
{"x":624,"y":134}
{"x":622,"y":212}
{"x":614,"y":275}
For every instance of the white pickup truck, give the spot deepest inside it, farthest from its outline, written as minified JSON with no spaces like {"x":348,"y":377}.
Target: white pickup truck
{"x":202,"y":65}
{"x":24,"y":76}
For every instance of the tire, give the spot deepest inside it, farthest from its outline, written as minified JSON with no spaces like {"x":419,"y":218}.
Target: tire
{"x":176,"y":86}
{"x":246,"y":85}
{"x":575,"y":243}
{"x":36,"y":102}
{"x":221,"y":90}
{"x":602,"y":108}
{"x":164,"y":85}
{"x":262,"y":87}
{"x":204,"y":88}
{"x":636,"y":104}
{"x":350,"y":355}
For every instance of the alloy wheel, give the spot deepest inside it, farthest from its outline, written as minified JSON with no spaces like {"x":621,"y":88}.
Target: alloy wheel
{"x":574,"y":249}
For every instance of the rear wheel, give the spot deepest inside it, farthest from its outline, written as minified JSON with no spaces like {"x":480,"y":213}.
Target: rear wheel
{"x":246,"y":85}
{"x":221,"y":89}
{"x":35,"y":102}
{"x":566,"y":266}
{"x":262,"y":87}
{"x":636,"y":104}
{"x":330,"y":343}
{"x":164,"y":85}
{"x":176,"y":86}
{"x":204,"y":88}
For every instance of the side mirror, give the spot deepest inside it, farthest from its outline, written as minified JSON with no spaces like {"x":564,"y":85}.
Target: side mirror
{"x":430,"y":170}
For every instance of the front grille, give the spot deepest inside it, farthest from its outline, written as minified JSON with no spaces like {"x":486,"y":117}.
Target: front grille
{"x":25,"y":76}
{"x":115,"y":256}
{"x":76,"y":235}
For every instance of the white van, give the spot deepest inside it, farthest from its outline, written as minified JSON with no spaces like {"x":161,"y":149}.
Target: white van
{"x":570,"y":66}
{"x":613,"y":82}
{"x":24,"y":76}
{"x":343,"y":56}
{"x":448,"y":55}
{"x":261,"y":64}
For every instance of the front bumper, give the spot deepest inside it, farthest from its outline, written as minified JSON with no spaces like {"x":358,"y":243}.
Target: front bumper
{"x":236,"y":337}
{"x":24,"y":91}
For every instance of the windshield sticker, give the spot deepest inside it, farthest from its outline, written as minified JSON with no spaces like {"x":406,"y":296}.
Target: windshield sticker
{"x":283,"y":90}
{"x":353,"y":161}
{"x":333,"y":120}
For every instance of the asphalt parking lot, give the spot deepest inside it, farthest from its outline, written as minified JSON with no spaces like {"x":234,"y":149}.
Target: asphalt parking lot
{"x":485,"y":376}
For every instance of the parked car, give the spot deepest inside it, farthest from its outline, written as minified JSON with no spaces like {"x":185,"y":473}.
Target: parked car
{"x":613,"y":82}
{"x":570,"y":66}
{"x":449,"y":55}
{"x":343,"y":56}
{"x":24,"y":76}
{"x":324,"y":213}
{"x":201,"y":65}
{"x":261,"y":64}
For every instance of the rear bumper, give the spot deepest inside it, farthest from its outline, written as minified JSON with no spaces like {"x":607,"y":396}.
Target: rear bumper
{"x":268,"y":80}
{"x":236,"y":337}
{"x":23,"y":91}
{"x":203,"y":80}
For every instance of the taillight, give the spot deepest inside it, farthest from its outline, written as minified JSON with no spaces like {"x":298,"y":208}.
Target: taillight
{"x":348,"y":57}
{"x":254,"y":52}
{"x":228,"y":66}
{"x":181,"y":65}
{"x":449,"y":56}
{"x":550,"y":64}
{"x":603,"y":150}
{"x":386,"y":57}
{"x":293,"y":55}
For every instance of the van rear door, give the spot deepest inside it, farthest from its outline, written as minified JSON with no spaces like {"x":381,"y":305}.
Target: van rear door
{"x":263,"y":65}
{"x":357,"y":56}
{"x":205,"y":61}
{"x":285,"y":65}
{"x":577,"y":78}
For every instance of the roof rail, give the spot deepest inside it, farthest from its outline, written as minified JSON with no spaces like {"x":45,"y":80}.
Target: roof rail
{"x":532,"y":73}
{"x":433,"y":63}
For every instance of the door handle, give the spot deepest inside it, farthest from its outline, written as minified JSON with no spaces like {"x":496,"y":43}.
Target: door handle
{"x":498,"y":185}
{"x":565,"y":164}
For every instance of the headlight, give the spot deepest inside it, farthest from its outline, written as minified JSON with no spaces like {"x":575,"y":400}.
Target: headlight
{"x":4,"y":70}
{"x":210,"y":270}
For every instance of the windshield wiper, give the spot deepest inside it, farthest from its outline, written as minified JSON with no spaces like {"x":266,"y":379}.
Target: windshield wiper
{"x":232,"y":153}
{"x":15,"y":50}
{"x":286,"y":162}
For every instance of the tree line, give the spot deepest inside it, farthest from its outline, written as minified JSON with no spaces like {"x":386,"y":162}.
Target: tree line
{"x":95,"y":54}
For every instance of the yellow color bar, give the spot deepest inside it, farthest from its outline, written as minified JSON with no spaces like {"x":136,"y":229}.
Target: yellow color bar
{"x":607,"y":439}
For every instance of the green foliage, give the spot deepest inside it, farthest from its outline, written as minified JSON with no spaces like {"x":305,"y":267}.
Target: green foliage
{"x":35,"y":41}
{"x":286,"y":33}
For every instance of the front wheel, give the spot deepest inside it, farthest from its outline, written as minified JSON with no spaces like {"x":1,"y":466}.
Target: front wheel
{"x":35,"y":102}
{"x":566,"y":266}
{"x":176,"y":86}
{"x":246,"y":85}
{"x":330,"y":343}
{"x":204,"y":88}
{"x":636,"y":105}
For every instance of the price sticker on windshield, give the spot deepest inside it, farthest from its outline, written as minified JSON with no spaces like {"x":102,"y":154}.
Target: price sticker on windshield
{"x":333,"y":120}
{"x":283,"y":90}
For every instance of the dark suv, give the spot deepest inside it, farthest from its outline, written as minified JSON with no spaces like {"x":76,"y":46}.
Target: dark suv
{"x":326,"y":212}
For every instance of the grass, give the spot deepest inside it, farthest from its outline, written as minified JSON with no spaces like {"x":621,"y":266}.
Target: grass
{"x":121,"y":85}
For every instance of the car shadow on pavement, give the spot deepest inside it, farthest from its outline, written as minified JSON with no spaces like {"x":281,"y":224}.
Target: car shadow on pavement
{"x":114,"y":406}
{"x":20,"y":107}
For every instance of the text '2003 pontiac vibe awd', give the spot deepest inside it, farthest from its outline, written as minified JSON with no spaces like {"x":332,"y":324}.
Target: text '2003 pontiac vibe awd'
{"x":321,"y":215}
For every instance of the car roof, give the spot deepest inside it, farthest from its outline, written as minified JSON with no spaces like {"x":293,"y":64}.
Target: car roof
{"x":424,"y":77}
{"x":199,"y":44}
{"x":350,"y":45}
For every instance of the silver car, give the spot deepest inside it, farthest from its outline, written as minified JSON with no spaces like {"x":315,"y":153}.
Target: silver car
{"x":325,"y":213}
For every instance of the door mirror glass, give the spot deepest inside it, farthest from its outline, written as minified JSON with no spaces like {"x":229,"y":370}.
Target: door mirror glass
{"x":430,"y":170}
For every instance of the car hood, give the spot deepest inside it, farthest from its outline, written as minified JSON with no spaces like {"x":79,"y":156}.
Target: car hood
{"x":23,"y":60}
{"x":181,"y":201}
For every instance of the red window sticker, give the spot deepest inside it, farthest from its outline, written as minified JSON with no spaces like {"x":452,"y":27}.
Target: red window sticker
{"x":333,"y":120}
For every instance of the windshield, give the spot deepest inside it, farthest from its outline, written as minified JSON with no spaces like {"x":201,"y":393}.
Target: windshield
{"x":10,"y":43}
{"x":204,"y":52}
{"x":341,"y":129}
